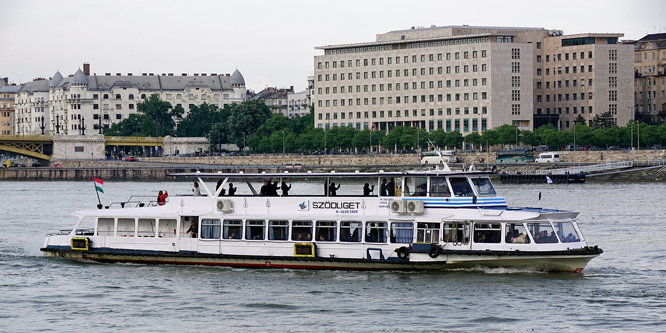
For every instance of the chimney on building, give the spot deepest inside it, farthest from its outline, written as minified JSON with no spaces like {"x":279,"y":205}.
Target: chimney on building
{"x":86,"y":68}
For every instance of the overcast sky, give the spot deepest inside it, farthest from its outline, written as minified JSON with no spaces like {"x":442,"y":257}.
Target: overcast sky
{"x":270,"y":42}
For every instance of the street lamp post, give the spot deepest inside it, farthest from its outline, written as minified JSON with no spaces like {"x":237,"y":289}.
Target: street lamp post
{"x":632,"y":127}
{"x":638,"y":123}
{"x":243,"y":149}
{"x":282,"y":142}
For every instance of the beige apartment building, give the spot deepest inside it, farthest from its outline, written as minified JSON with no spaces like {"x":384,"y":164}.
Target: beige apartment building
{"x":650,"y":77}
{"x":7,"y":96}
{"x":467,"y":79}
{"x":84,"y":103}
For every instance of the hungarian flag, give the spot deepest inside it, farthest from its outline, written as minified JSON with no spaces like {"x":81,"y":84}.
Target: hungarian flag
{"x":99,"y":184}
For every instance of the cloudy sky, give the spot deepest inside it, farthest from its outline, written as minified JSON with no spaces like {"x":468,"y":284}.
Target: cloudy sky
{"x":270,"y":42}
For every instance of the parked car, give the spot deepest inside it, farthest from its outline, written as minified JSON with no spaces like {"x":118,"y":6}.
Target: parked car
{"x":57,"y":165}
{"x":130,"y":159}
{"x":36,"y":165}
{"x":20,"y":165}
{"x":614,"y":148}
{"x":548,"y":158}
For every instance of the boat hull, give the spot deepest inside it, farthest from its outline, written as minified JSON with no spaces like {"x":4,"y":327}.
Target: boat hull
{"x":565,"y":261}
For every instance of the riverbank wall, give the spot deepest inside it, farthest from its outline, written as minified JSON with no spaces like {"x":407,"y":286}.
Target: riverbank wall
{"x":159,"y":168}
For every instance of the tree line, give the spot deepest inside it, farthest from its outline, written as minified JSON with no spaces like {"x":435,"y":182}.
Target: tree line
{"x":252,"y":124}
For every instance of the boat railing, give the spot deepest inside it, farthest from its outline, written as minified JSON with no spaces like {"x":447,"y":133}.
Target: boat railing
{"x":136,"y":201}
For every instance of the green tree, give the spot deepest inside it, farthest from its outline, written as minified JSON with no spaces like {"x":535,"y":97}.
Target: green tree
{"x":200,"y":120}
{"x":454,"y":140}
{"x":473,"y":138}
{"x":161,"y":112}
{"x":603,"y":120}
{"x":580,"y":120}
{"x":245,"y":118}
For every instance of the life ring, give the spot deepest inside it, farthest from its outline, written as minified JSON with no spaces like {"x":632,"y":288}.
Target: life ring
{"x":403,"y":253}
{"x":434,"y":251}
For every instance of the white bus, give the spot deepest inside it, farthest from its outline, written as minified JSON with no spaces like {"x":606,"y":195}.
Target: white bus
{"x":432,"y":157}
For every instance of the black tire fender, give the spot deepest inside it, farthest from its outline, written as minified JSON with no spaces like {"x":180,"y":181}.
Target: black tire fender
{"x":434,"y":251}
{"x":403,"y":253}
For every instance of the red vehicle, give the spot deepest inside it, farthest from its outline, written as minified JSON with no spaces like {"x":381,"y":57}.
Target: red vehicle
{"x":57,"y":165}
{"x":130,"y":159}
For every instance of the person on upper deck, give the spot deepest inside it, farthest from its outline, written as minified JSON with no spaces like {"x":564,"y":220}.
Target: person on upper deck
{"x":264,"y":191}
{"x":390,"y":187}
{"x":367,"y":190}
{"x":285,"y":189}
{"x":195,"y":190}
{"x":232,"y":189}
{"x":161,"y":197}
{"x":332,"y":190}
{"x":383,"y":189}
{"x":273,"y":189}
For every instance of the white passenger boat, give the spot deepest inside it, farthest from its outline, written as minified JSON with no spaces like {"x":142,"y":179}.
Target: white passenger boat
{"x":421,"y":220}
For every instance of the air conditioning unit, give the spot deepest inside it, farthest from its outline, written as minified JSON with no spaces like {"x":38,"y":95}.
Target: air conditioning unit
{"x":415,"y":207}
{"x":398,"y":206}
{"x":224,"y":206}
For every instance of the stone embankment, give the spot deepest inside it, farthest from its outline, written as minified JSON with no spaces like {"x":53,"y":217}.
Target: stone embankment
{"x":158,"y":168}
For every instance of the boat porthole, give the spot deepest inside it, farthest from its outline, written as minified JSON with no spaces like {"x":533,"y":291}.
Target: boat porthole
{"x":434,"y":251}
{"x":173,"y":244}
{"x":402,"y":252}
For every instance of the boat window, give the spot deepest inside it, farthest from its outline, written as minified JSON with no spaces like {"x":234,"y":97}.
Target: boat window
{"x":461,"y":187}
{"x":277,"y":230}
{"x":105,"y":226}
{"x":415,"y":186}
{"x":233,"y":229}
{"x":390,"y":187}
{"x":167,"y":228}
{"x":427,"y":232}
{"x":210,"y":229}
{"x":402,"y":232}
{"x":456,"y":232}
{"x":301,"y":230}
{"x":516,"y":233}
{"x":369,"y":187}
{"x":126,"y":227}
{"x":439,"y":187}
{"x":487,"y":232}
{"x":326,"y":231}
{"x":350,"y":231}
{"x":566,"y":232}
{"x":483,"y":186}
{"x":254,"y":229}
{"x":146,"y":228}
{"x":375,"y":232}
{"x":86,"y":227}
{"x":542,"y":232}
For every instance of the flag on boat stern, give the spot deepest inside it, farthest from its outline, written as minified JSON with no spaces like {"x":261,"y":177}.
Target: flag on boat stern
{"x":99,"y":184}
{"x":548,"y":180}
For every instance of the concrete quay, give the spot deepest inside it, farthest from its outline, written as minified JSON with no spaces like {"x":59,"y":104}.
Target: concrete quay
{"x":158,"y":168}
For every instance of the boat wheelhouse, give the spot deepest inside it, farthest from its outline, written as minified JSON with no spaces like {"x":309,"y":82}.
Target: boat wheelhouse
{"x":421,"y":220}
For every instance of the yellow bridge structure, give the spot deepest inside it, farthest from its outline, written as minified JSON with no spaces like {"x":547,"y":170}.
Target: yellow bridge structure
{"x":41,"y":146}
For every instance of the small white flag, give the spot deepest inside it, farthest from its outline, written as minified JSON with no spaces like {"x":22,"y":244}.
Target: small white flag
{"x":548,"y":180}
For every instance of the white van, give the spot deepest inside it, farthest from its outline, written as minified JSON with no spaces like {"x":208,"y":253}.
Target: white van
{"x":433,"y":158}
{"x":548,"y":158}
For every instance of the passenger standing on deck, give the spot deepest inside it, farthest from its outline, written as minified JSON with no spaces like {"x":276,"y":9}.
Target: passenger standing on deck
{"x":232,"y":189}
{"x":333,"y":190}
{"x":264,"y":189}
{"x":197,"y":192}
{"x":161,"y":198}
{"x":274,"y":188}
{"x":285,"y":189}
{"x":367,"y":190}
{"x":219,"y":183}
{"x":390,"y":188}
{"x":383,"y":189}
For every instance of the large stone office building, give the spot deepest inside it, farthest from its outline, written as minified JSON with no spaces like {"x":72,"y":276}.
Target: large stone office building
{"x":81,"y":103}
{"x":469,"y":79}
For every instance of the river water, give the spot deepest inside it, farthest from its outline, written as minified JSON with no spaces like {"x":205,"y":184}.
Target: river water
{"x":622,"y":290}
